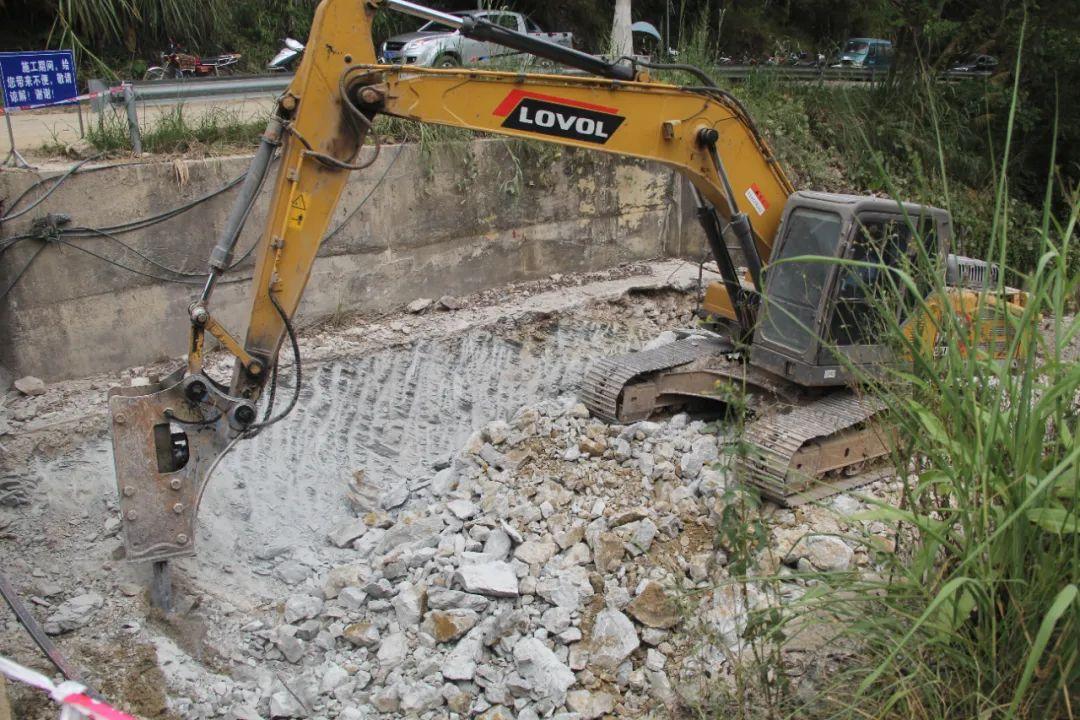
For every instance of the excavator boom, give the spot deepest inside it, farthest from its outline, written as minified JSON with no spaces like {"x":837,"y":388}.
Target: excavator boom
{"x":167,"y":436}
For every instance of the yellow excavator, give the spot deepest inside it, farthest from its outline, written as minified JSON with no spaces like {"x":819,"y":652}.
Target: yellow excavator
{"x":800,"y":330}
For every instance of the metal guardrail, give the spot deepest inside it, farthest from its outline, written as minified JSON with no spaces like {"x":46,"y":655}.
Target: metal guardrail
{"x":198,"y":88}
{"x":194,"y":88}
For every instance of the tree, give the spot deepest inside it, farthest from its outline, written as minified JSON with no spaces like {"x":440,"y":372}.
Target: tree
{"x":622,"y":42}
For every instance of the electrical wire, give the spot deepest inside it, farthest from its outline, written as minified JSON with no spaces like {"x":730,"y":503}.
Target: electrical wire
{"x":259,"y":427}
{"x":14,"y":214}
{"x":15,"y":280}
{"x":362,"y":203}
{"x":81,"y":169}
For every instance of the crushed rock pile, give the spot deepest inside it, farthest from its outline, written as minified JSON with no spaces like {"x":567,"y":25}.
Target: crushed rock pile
{"x":556,"y":567}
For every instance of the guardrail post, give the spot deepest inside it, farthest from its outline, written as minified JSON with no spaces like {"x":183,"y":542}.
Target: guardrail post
{"x":133,"y":120}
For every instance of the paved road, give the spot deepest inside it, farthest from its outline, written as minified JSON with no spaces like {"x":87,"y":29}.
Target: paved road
{"x":50,"y":127}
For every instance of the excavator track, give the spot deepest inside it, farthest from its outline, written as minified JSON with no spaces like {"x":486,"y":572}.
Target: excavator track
{"x":604,"y":382}
{"x":805,"y":454}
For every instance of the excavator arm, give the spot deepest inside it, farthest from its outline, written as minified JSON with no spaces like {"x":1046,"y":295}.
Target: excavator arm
{"x":168,"y":436}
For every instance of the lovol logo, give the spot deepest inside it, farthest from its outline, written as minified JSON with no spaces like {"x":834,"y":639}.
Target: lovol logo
{"x":557,"y":116}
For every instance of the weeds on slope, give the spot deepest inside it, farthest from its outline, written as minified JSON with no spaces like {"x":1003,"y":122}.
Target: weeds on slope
{"x":976,"y":614}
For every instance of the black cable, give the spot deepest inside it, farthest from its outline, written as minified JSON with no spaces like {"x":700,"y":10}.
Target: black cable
{"x":152,"y":276}
{"x":76,"y":232}
{"x":691,"y":69}
{"x":81,"y":170}
{"x":195,"y":423}
{"x":367,"y":197}
{"x":22,"y":272}
{"x":12,"y":214}
{"x":259,"y":427}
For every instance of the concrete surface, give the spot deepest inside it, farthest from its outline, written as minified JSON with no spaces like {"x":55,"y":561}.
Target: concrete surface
{"x":452,"y":222}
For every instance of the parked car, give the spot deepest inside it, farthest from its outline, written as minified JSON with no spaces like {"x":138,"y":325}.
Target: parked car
{"x":866,"y":53}
{"x":436,"y":45}
{"x":976,"y":63}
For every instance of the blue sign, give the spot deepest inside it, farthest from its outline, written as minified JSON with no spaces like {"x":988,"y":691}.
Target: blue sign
{"x":45,"y":77}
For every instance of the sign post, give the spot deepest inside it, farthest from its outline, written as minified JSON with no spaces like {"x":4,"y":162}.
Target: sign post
{"x":35,"y":79}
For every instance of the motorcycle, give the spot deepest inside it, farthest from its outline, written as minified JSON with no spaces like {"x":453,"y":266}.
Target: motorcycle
{"x":177,"y":63}
{"x":288,"y":57}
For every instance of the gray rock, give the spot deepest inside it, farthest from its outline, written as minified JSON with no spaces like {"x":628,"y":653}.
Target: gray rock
{"x":613,"y":639}
{"x":445,"y":599}
{"x":409,"y":605}
{"x":461,"y":662}
{"x":494,"y":579}
{"x":824,"y":552}
{"x":334,"y":676}
{"x":344,"y":576}
{"x":284,"y":705}
{"x":547,"y":675}
{"x":302,"y":607}
{"x":30,"y":385}
{"x":590,"y":705}
{"x":352,"y":598}
{"x":498,"y":544}
{"x":653,"y":636}
{"x":74,"y":613}
{"x":395,"y":496}
{"x":392,"y":650}
{"x":420,"y":697}
{"x":292,"y":572}
{"x":418,"y":305}
{"x":535,"y":552}
{"x":461,"y":509}
{"x":569,"y":589}
{"x":449,"y":302}
{"x":556,"y":619}
{"x":413,"y":535}
{"x":292,"y":647}
{"x":343,"y":535}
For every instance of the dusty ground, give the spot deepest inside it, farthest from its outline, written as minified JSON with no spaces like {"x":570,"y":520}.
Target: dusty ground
{"x":390,"y":395}
{"x":465,"y":425}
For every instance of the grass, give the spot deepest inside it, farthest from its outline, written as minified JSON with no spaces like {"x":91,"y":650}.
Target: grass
{"x":176,"y":132}
{"x":976,"y":614}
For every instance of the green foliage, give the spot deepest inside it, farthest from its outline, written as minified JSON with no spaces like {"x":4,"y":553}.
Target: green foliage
{"x":177,"y":132}
{"x":977,"y":613}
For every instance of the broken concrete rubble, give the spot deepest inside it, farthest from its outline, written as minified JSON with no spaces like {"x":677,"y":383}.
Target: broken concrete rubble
{"x":591,"y":561}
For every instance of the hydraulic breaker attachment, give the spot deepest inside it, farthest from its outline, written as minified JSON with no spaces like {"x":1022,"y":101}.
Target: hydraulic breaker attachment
{"x":167,"y":437}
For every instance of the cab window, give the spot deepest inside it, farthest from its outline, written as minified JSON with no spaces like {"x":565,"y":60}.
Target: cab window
{"x":865,"y":289}
{"x":793,"y":288}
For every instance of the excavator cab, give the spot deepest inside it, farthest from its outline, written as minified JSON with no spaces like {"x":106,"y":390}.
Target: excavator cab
{"x":820,"y":322}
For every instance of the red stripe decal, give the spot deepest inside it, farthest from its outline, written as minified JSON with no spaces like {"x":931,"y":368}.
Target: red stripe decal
{"x":516,"y":96}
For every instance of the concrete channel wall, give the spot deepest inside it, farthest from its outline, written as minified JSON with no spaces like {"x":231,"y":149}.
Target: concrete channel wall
{"x":419,"y":224}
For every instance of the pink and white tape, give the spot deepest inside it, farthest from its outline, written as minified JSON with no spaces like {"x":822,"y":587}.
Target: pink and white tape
{"x":70,"y":101}
{"x":71,"y":696}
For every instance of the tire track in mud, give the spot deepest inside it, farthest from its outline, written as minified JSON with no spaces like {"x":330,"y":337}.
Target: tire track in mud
{"x":392,"y":414}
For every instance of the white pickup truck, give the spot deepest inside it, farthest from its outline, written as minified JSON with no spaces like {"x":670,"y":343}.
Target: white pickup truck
{"x":436,"y":45}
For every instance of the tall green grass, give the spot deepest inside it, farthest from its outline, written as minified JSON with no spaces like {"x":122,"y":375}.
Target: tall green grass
{"x":977,"y":612}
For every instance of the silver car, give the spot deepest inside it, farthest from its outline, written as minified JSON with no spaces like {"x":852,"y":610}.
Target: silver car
{"x":436,"y":45}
